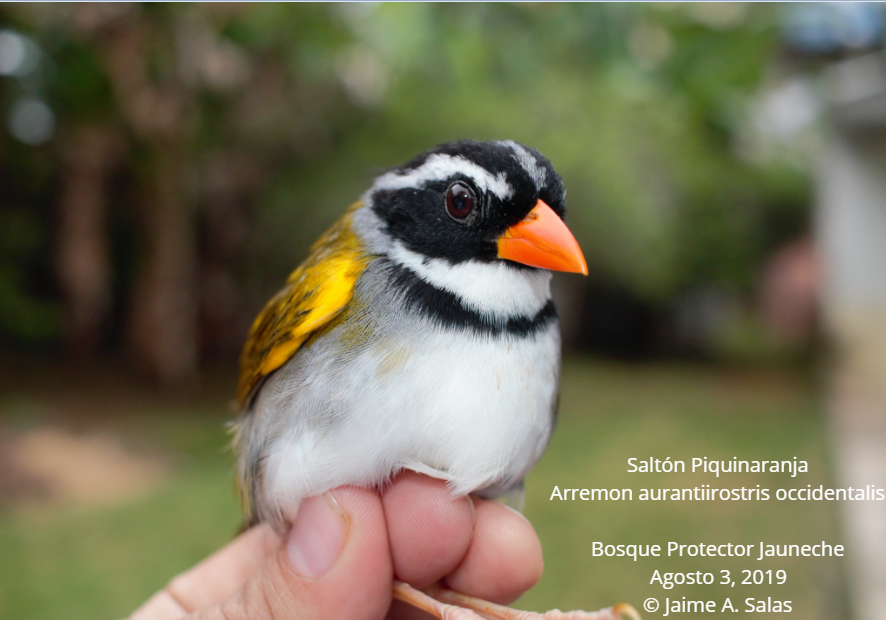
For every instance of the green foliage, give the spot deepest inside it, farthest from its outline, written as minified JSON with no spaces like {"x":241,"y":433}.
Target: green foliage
{"x":22,"y":314}
{"x":658,"y":196}
{"x":640,"y":107}
{"x":80,"y":89}
{"x":28,"y":314}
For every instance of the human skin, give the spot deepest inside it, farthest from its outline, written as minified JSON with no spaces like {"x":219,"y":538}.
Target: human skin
{"x":346,"y":547}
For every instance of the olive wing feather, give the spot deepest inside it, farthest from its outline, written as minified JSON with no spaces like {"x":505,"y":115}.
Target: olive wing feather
{"x":315,"y":293}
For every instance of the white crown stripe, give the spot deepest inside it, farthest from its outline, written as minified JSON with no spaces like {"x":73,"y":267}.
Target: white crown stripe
{"x":528,"y":163}
{"x":439,"y":167}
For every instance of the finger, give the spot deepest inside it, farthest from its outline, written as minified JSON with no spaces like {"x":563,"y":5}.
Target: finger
{"x":161,"y":606}
{"x":214,"y":579}
{"x":429,"y":530}
{"x":334,"y":563}
{"x":220,"y":575}
{"x":504,"y":559}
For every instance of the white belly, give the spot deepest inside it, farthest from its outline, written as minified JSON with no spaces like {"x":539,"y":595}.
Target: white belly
{"x":473,"y":410}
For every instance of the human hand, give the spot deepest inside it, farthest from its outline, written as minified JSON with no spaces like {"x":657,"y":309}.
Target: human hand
{"x":345,"y":548}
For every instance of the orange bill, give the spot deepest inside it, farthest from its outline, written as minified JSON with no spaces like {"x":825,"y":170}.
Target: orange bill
{"x":542,"y":240}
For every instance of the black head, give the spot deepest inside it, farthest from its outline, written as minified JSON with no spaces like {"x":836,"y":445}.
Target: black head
{"x":456,"y":200}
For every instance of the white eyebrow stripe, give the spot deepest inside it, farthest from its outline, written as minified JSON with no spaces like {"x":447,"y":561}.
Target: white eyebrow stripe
{"x":528,"y":163}
{"x":439,"y":167}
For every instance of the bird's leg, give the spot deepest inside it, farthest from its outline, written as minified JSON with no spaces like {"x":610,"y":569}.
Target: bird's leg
{"x":447,"y":604}
{"x":418,"y":599}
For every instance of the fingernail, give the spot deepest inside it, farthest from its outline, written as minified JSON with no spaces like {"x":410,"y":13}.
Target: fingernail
{"x":318,"y":535}
{"x":473,"y":508}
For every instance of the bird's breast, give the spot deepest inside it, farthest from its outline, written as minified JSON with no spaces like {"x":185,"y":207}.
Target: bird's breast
{"x":474,"y":407}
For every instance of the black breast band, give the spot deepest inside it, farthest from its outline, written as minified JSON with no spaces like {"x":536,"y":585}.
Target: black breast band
{"x":447,"y":310}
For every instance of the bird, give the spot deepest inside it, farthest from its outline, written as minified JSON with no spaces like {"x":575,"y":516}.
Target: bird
{"x":419,"y":333}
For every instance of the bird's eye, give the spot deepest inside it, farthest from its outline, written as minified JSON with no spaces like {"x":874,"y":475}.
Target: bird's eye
{"x":460,"y":201}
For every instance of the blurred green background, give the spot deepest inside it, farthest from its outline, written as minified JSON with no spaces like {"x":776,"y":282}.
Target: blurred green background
{"x":164,"y":166}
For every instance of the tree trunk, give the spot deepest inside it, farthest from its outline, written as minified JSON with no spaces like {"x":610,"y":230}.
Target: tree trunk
{"x":82,"y":261}
{"x":162,"y":328}
{"x":163,"y":316}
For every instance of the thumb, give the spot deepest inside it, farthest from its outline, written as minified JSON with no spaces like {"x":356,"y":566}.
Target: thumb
{"x":334,"y":563}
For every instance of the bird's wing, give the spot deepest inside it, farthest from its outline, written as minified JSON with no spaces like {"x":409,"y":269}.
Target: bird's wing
{"x":314,"y":295}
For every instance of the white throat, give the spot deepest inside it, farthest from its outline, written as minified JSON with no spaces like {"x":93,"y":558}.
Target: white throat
{"x":492,"y":289}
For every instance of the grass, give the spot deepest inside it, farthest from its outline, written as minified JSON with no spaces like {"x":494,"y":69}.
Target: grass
{"x":102,"y":564}
{"x":610,"y":414}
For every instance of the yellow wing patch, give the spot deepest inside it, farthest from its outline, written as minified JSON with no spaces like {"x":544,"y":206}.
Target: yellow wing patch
{"x":314,"y":295}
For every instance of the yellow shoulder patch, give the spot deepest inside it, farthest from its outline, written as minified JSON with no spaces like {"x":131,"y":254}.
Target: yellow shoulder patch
{"x":314,"y":295}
